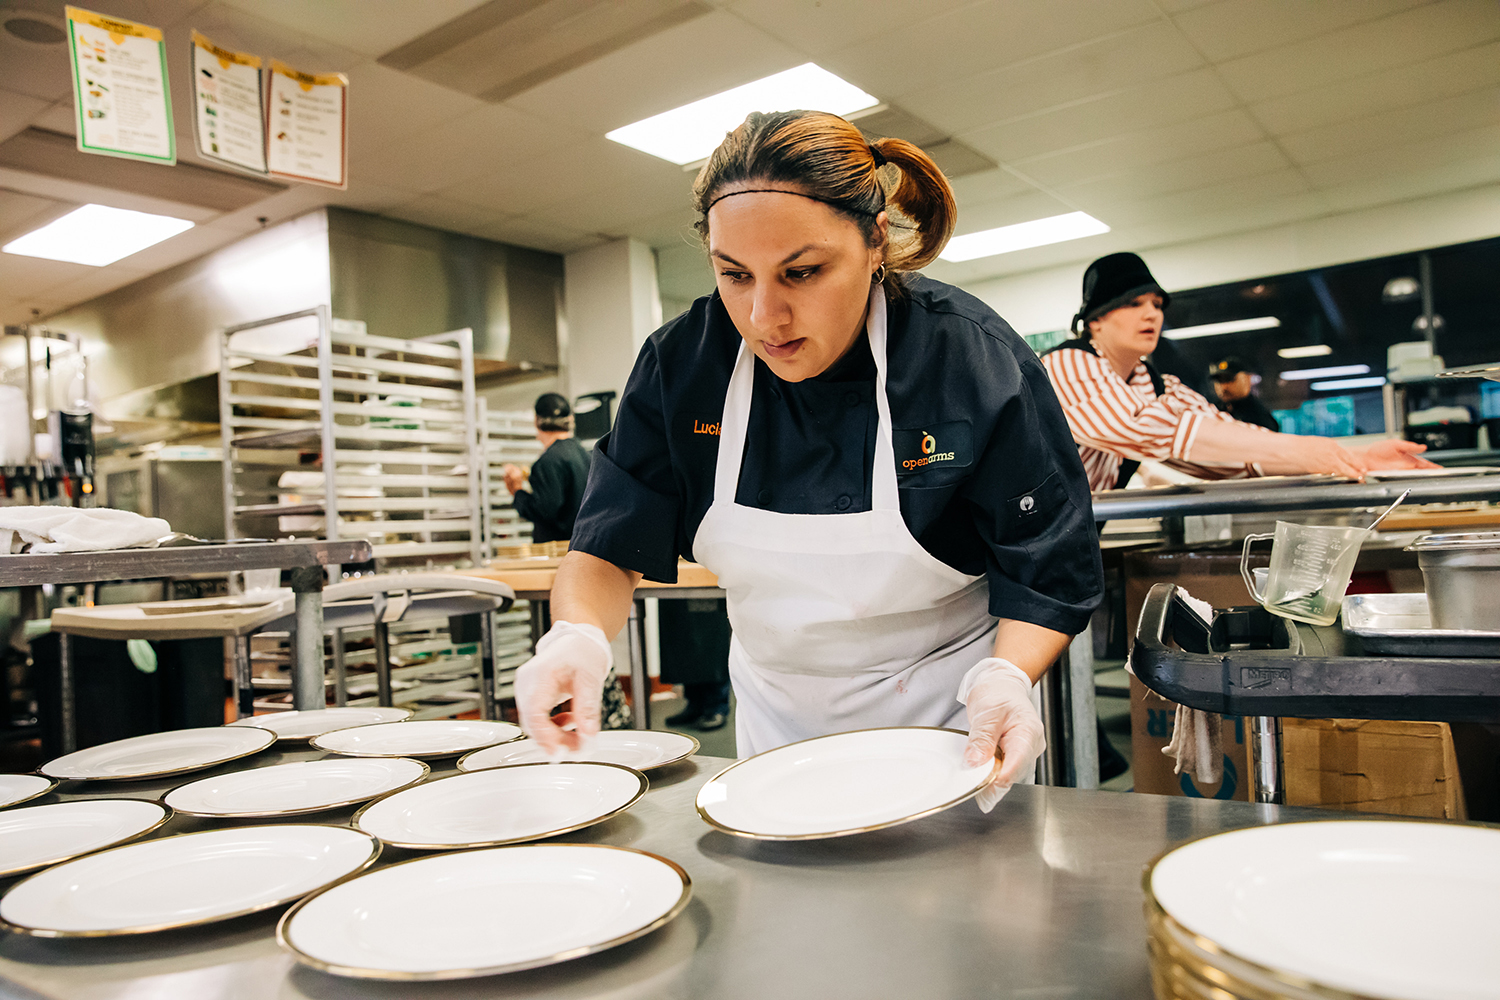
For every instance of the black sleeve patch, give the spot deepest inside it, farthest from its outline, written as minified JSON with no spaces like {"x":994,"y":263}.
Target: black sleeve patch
{"x":937,"y":446}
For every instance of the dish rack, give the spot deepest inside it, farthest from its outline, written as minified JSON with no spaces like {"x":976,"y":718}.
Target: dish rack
{"x":331,"y":432}
{"x":509,"y":439}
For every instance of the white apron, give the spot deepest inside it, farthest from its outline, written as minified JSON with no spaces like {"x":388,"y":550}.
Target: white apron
{"x":841,"y":621}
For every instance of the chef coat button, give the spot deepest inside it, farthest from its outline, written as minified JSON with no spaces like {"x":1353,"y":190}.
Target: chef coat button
{"x":852,"y":398}
{"x":842,"y":503}
{"x":1027,"y":503}
{"x":763,"y":497}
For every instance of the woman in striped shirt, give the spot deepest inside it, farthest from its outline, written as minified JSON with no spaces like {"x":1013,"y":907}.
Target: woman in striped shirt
{"x":1121,"y":410}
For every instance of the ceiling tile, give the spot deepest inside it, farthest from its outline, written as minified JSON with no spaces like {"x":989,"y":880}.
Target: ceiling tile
{"x":446,"y":213}
{"x":1455,"y":171}
{"x":1159,"y":102}
{"x":386,"y":107}
{"x":828,"y":25}
{"x":1227,"y":196}
{"x":1429,"y":80}
{"x":525,"y":233}
{"x":1204,"y":170}
{"x":1081,"y":73}
{"x":974,"y":217}
{"x":17,"y":112}
{"x":704,"y":56}
{"x":58,"y":118}
{"x":987,"y":186}
{"x":1397,"y":40}
{"x":1233,"y":28}
{"x":1129,"y":153}
{"x":34,"y":276}
{"x":38,"y":71}
{"x":574,"y":172}
{"x":370,"y":27}
{"x":21,"y":213}
{"x":669,"y":229}
{"x":613,"y":211}
{"x":1378,"y":132}
{"x":915,"y":54}
{"x":1428,"y":154}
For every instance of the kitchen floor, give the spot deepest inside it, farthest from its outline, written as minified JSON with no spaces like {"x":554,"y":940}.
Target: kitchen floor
{"x":719,"y":743}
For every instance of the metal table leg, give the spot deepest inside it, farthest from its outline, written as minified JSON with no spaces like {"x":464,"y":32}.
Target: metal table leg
{"x":384,"y":694}
{"x":244,"y":689}
{"x":1057,"y":695}
{"x":66,"y":682}
{"x":487,"y":666}
{"x":1267,"y":785}
{"x":307,"y":668}
{"x":340,"y":673}
{"x":640,"y":684}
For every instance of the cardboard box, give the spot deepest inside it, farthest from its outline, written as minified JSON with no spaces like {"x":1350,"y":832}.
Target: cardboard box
{"x":1403,"y":768}
{"x":1152,"y":718}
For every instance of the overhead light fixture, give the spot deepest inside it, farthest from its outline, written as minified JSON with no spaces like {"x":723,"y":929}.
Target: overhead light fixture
{"x":691,"y":132}
{"x":1305,"y":373}
{"x":97,"y":235}
{"x":1228,"y":326}
{"x":1022,"y":236}
{"x":1310,"y":351}
{"x":1349,"y":383}
{"x":1401,"y":290}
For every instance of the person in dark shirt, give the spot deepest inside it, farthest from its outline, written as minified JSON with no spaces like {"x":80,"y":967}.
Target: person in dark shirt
{"x":873,"y":463}
{"x":1234,"y":384}
{"x":550,"y":495}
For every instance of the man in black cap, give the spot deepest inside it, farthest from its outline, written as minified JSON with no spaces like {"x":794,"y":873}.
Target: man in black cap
{"x":550,"y":495}
{"x":1234,"y":384}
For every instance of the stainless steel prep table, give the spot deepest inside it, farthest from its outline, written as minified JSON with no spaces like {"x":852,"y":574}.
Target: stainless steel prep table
{"x":1041,"y":898}
{"x":306,"y":560}
{"x":1224,"y":499}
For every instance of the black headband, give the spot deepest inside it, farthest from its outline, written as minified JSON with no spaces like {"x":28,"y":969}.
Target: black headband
{"x":841,"y":206}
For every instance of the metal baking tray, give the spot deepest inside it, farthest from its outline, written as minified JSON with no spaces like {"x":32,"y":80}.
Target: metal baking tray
{"x":1401,"y":625}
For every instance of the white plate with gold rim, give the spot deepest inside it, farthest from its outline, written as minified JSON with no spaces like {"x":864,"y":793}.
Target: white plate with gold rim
{"x":502,"y":805}
{"x":431,"y":738}
{"x":478,"y":913}
{"x":1384,"y":909}
{"x":317,"y":721}
{"x":157,"y":755}
{"x":18,"y":788}
{"x":305,"y":786}
{"x":643,"y":750}
{"x":36,"y":836}
{"x":832,"y":786}
{"x":181,"y":881}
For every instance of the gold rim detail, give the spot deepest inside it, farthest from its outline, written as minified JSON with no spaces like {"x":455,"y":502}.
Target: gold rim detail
{"x":243,"y":724}
{"x":526,"y":739}
{"x":450,"y":752}
{"x":52,"y":783}
{"x":166,"y":814}
{"x":426,"y":770}
{"x":143,"y":775}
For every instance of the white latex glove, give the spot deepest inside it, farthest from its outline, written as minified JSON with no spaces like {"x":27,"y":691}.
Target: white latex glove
{"x":571,"y":661}
{"x":997,"y":694}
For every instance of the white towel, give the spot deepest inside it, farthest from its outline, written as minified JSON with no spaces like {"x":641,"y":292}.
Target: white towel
{"x":76,"y":529}
{"x":1197,"y":745}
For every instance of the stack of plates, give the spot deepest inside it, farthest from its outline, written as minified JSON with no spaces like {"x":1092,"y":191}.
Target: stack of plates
{"x":1337,"y":909}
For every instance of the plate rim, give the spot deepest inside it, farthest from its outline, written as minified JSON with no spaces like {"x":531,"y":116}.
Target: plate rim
{"x":53,"y":933}
{"x":426,"y":770}
{"x":645,"y":784}
{"x":1154,"y":906}
{"x":734,"y":831}
{"x":52,"y":783}
{"x":143,"y":775}
{"x":167,"y":813}
{"x":313,"y":742}
{"x":644,"y":770}
{"x":242,"y":724}
{"x":397,"y":975}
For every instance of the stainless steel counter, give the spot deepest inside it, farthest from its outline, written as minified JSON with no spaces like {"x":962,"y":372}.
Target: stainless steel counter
{"x":1041,"y":898}
{"x":1221,"y":499}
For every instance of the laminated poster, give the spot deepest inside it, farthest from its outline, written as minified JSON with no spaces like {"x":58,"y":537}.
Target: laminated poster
{"x":120,"y":88}
{"x":229,"y":116}
{"x":306,"y":127}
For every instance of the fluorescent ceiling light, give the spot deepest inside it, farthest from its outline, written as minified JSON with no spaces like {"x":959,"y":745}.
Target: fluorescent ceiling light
{"x":695,"y":130}
{"x":1326,"y":372}
{"x":1214,"y":329}
{"x":97,"y":235}
{"x":1310,"y":351}
{"x":1023,"y":236}
{"x":1349,"y":383}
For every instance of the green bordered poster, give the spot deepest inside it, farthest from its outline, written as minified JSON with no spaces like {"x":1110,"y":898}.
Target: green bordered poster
{"x":228,"y":111}
{"x":307,"y":125}
{"x":120,"y":88}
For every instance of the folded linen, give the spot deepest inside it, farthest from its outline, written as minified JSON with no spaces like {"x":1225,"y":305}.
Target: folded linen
{"x":77,"y":529}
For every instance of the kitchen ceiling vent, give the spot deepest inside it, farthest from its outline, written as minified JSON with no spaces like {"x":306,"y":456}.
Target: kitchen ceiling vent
{"x":37,"y":29}
{"x":506,"y":47}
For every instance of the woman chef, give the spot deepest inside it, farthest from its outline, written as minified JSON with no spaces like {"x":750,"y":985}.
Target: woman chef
{"x":872,"y":463}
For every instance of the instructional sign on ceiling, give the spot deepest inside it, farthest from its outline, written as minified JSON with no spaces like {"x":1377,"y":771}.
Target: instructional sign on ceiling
{"x":229,"y":120}
{"x":120,"y":87}
{"x":306,"y":125}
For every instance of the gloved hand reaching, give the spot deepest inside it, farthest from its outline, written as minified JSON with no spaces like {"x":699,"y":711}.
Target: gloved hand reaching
{"x":571,"y":661}
{"x":997,"y":694}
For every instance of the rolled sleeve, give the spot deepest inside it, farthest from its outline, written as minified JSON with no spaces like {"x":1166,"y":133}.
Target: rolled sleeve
{"x":625,"y":522}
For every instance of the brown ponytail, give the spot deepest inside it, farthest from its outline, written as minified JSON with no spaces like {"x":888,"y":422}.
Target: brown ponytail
{"x":828,"y":159}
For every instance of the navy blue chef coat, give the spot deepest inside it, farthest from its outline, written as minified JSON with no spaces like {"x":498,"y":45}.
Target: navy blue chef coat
{"x":988,"y":475}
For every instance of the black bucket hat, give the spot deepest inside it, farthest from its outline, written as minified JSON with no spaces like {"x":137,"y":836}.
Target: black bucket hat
{"x":1111,"y":282}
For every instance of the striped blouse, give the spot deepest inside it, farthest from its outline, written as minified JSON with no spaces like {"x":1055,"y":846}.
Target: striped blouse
{"x":1113,"y":419}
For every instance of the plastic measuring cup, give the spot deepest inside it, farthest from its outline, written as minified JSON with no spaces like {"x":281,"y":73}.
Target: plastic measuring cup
{"x":1310,"y":570}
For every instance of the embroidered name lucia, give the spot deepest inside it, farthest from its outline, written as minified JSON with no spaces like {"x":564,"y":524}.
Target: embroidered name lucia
{"x":701,"y":428}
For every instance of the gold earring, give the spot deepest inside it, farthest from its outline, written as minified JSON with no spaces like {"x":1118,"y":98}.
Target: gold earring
{"x":879,"y":274}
